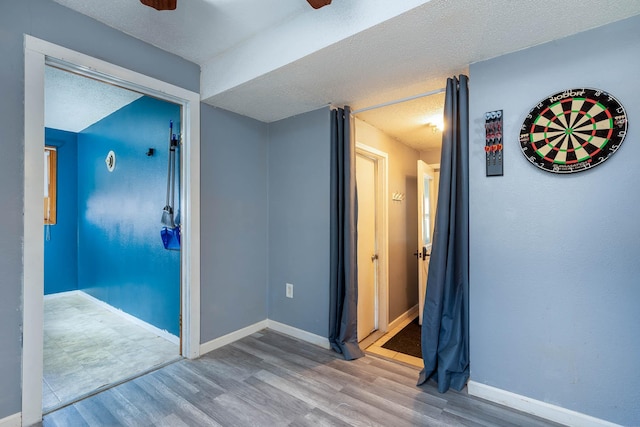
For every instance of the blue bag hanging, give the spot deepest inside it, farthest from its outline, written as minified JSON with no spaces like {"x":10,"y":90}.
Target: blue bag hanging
{"x":170,"y":233}
{"x":171,"y":238}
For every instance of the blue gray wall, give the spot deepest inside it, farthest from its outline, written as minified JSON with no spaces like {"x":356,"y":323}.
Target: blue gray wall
{"x":234,"y":221}
{"x":554,"y":269}
{"x":121,"y":259}
{"x":265,"y":215}
{"x":52,"y":22}
{"x":265,"y":221}
{"x":299,"y":185}
{"x":61,"y":239}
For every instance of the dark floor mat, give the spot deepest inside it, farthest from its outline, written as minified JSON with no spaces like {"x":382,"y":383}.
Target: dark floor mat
{"x":406,"y":341}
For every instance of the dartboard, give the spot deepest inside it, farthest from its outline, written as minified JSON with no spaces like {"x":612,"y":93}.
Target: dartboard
{"x":574,"y":130}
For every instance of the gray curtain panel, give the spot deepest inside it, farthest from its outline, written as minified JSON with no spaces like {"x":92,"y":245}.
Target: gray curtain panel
{"x":343,"y":314}
{"x":445,"y":324}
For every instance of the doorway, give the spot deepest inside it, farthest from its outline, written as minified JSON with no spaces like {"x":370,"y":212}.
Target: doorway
{"x":405,"y":236}
{"x":111,"y":291}
{"x":38,"y":54}
{"x":427,"y":196}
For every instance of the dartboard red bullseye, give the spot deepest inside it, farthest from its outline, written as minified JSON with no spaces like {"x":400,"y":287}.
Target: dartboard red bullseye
{"x":574,"y":130}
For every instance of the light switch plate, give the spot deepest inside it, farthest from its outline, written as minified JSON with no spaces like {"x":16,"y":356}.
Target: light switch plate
{"x":289,"y":290}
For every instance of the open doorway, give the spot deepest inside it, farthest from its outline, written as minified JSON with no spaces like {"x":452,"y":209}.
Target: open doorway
{"x":38,"y":54}
{"x":111,"y":290}
{"x":411,"y":146}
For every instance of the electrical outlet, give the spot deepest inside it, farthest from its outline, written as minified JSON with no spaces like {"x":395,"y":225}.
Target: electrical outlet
{"x":289,"y":291}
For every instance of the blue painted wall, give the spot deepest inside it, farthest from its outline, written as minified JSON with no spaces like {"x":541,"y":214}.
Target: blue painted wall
{"x":61,"y":250}
{"x":554,"y":259}
{"x":55,"y":23}
{"x":299,"y":223}
{"x":234,"y":221}
{"x":121,"y":259}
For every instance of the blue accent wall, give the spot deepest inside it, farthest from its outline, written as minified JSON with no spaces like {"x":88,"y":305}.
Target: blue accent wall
{"x":234,"y":221}
{"x":61,"y":239}
{"x":299,"y":222}
{"x":554,"y":271}
{"x":121,"y":259}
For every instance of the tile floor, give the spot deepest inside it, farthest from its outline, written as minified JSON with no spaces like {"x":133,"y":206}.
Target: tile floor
{"x":376,"y":348}
{"x":87,"y":347}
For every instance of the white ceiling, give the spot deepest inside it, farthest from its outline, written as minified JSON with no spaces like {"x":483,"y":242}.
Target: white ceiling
{"x":271,"y":59}
{"x":73,"y":102}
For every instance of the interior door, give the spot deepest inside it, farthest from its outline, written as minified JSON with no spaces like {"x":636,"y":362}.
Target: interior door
{"x":367,"y":251}
{"x":426,"y":220}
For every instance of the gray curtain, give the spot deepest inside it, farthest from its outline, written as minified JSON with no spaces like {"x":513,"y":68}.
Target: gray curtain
{"x":445,"y":321}
{"x":344,"y":278}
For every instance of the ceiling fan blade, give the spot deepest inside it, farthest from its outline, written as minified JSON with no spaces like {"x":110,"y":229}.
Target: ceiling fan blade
{"x":317,"y":4}
{"x":160,"y":4}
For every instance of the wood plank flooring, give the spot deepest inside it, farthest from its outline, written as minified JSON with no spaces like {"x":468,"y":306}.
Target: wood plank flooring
{"x":269,"y":379}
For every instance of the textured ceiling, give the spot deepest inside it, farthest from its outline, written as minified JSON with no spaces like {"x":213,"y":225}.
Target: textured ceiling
{"x":198,"y":29}
{"x":73,"y":102}
{"x":271,"y":59}
{"x":418,"y":122}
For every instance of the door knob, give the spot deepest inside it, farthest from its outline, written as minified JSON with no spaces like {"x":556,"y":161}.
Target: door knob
{"x":374,"y":257}
{"x":423,"y":254}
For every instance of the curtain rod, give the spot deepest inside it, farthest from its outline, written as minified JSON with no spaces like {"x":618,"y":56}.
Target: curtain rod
{"x":398,"y":101}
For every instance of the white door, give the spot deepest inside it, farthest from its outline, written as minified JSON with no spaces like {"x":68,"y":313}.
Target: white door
{"x":426,"y":219}
{"x":367,"y":252}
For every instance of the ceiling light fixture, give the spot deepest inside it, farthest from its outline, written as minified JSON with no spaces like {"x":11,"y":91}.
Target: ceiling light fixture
{"x":436,"y":123}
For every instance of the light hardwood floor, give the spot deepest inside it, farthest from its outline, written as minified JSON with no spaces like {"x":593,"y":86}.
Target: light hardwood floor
{"x":269,"y":379}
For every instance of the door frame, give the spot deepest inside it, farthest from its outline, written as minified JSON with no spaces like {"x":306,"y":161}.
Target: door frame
{"x":38,"y":53}
{"x":382,"y":229}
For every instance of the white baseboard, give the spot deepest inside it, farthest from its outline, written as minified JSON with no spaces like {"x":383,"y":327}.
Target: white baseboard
{"x":264,"y":324}
{"x":299,"y":333}
{"x":536,"y":407}
{"x":233,"y":336}
{"x":14,"y":420}
{"x":410,"y":314}
{"x":147,"y":326}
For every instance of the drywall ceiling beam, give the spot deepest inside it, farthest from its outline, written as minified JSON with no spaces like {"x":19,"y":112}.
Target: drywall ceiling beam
{"x":306,"y":33}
